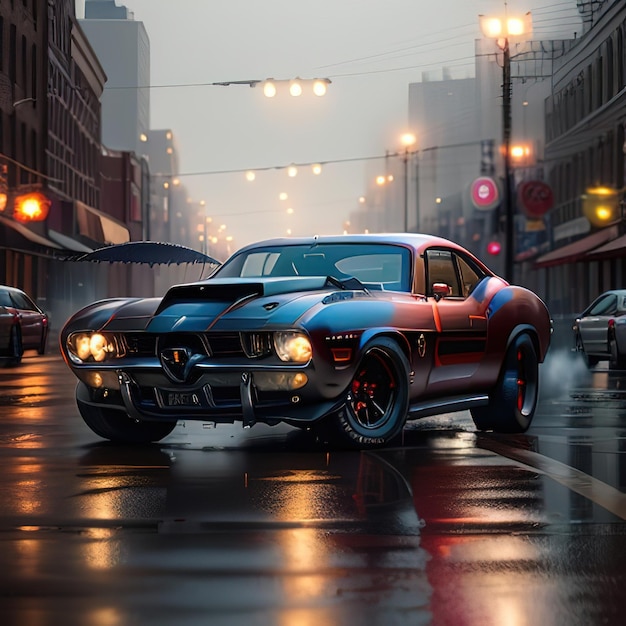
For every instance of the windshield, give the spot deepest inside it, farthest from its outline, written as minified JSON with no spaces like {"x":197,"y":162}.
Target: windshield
{"x":378,"y":266}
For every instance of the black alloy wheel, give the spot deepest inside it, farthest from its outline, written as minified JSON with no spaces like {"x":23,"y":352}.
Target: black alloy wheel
{"x":377,"y":399}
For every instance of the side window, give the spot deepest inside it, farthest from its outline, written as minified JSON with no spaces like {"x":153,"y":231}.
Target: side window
{"x":440,"y":269}
{"x":470,"y":276}
{"x":606,"y":306}
{"x":23,"y":302}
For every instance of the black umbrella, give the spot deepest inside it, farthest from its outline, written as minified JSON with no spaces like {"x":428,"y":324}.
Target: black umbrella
{"x":150,"y":252}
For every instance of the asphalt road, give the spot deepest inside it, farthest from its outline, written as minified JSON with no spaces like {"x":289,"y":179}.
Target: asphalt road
{"x":226,"y":526}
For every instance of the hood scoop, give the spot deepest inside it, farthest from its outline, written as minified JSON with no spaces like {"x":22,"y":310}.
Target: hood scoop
{"x":229,"y":290}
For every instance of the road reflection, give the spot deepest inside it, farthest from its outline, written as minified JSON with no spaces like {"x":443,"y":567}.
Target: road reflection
{"x":267,"y":526}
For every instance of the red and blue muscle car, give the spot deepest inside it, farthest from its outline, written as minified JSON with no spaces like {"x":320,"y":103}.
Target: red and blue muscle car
{"x":349,"y":336}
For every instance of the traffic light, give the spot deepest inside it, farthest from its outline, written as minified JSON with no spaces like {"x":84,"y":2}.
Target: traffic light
{"x":31,"y":207}
{"x":601,"y":205}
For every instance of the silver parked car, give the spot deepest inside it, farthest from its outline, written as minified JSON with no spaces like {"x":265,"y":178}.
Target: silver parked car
{"x":600,"y":330}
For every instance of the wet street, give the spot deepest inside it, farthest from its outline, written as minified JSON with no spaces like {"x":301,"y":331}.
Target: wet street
{"x":259,"y":527}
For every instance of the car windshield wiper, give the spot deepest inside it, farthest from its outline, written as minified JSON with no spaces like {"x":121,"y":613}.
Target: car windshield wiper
{"x":351,"y":282}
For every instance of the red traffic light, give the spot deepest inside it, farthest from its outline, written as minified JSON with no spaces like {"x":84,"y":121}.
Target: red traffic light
{"x":494,"y":248}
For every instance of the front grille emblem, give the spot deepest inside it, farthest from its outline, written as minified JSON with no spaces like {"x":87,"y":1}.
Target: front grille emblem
{"x":177,"y":363}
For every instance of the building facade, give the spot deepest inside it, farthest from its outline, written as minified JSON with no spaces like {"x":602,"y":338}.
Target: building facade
{"x":585,"y":146}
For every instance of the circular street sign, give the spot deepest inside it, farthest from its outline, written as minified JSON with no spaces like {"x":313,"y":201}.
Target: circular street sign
{"x":535,"y":198}
{"x":484,"y":193}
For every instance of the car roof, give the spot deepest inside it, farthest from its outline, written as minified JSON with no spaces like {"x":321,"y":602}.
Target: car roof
{"x":13,"y":289}
{"x":617,"y":292}
{"x":415,"y":241}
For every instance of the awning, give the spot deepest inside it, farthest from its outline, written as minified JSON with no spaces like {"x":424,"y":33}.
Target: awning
{"x":68,"y":243}
{"x":99,"y":226}
{"x":611,"y":250}
{"x":16,"y":236}
{"x":578,"y":250}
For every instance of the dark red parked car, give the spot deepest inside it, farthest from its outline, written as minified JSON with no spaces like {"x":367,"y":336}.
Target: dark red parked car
{"x":23,"y":325}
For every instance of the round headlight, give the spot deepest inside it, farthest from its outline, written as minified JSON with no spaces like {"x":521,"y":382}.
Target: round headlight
{"x":292,"y":347}
{"x":83,"y":347}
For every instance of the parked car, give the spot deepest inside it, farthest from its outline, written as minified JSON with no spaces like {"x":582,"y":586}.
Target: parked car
{"x":600,"y":330}
{"x":345,"y":335}
{"x":23,"y":325}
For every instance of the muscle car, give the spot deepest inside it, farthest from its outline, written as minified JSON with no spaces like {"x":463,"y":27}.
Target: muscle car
{"x":347,"y":336}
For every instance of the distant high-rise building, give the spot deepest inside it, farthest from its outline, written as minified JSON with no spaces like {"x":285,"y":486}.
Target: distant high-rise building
{"x":126,"y":98}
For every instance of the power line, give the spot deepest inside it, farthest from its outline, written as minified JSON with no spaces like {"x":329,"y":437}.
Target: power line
{"x":387,"y":155}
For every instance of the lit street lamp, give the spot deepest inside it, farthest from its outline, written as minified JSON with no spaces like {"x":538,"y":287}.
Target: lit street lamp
{"x":502,"y":30}
{"x":408,"y":140}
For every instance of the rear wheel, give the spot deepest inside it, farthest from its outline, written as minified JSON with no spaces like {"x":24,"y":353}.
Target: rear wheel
{"x":16,"y":349}
{"x":617,"y":361}
{"x":44,"y":340}
{"x":116,"y":425}
{"x":376,"y":402}
{"x":513,"y":401}
{"x":590,"y":361}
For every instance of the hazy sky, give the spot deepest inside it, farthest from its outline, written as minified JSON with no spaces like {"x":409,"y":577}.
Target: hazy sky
{"x":371,"y":50}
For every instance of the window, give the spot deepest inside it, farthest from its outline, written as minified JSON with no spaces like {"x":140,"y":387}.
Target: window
{"x":259,"y":264}
{"x":605,"y":306}
{"x":452,"y":269}
{"x":440,"y":270}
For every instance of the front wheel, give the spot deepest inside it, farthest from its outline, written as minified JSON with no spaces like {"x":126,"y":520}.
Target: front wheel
{"x":376,"y":402}
{"x":513,"y":401}
{"x":116,"y":425}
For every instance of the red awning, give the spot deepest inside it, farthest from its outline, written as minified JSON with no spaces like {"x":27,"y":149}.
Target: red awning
{"x":578,"y":250}
{"x":611,"y":250}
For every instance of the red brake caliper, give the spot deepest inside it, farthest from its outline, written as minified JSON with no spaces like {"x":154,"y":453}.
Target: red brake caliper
{"x":365,"y":388}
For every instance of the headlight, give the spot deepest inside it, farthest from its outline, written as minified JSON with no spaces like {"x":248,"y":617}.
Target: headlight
{"x":84,"y":347}
{"x":292,"y":346}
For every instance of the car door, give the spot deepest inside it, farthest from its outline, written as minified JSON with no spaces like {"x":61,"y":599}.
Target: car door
{"x":593,"y":324}
{"x":30,"y":319}
{"x":461,"y":319}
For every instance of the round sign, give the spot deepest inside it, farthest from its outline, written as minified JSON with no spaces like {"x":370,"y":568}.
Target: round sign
{"x":484,"y":193}
{"x":534,"y":198}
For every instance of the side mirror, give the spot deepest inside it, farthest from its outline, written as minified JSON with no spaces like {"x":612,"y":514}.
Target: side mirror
{"x":441,"y":290}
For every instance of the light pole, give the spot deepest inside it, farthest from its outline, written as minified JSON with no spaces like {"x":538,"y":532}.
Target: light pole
{"x":502,"y":30}
{"x":408,"y":140}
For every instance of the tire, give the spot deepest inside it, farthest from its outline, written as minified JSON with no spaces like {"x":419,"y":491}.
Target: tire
{"x":513,"y":401}
{"x":617,"y":361}
{"x":376,"y":402}
{"x":16,"y":349}
{"x":115,"y":425}
{"x":44,"y":340}
{"x":590,"y":361}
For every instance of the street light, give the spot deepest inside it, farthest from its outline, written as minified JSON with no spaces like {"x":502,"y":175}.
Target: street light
{"x":408,"y":140}
{"x":502,"y":30}
{"x":271,"y":86}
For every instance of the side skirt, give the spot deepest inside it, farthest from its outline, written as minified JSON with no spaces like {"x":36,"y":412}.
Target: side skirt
{"x":447,"y":405}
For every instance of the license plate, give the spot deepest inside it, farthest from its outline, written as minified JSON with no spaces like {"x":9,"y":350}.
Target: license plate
{"x":173,"y":399}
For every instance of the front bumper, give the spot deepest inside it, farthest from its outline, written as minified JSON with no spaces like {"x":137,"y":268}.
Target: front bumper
{"x":222,"y":397}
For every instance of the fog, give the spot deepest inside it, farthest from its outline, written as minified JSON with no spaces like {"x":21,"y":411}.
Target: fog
{"x":370,"y":51}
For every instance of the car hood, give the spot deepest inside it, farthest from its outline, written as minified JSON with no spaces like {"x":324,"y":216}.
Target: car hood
{"x":229,"y":304}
